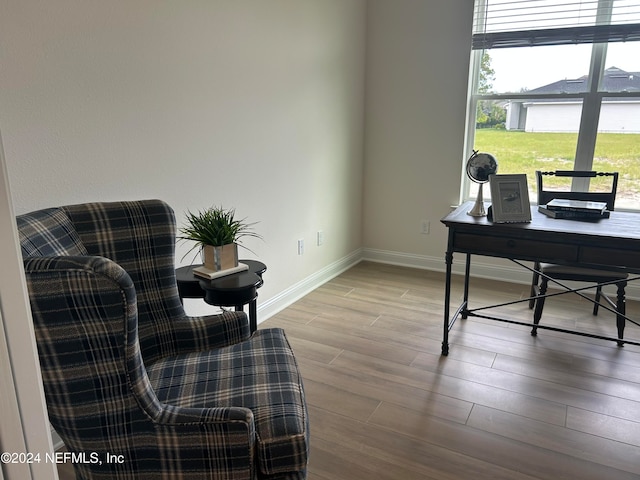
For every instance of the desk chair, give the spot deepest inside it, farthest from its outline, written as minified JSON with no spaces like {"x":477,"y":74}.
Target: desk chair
{"x":576,"y":272}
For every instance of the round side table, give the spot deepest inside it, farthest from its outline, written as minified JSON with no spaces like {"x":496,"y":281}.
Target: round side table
{"x":235,"y":290}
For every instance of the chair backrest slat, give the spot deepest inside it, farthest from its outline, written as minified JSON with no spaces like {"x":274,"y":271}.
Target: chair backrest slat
{"x":608,"y":197}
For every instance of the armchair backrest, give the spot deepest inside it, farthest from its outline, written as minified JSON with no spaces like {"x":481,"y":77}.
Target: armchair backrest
{"x":608,"y":196}
{"x":138,"y":235}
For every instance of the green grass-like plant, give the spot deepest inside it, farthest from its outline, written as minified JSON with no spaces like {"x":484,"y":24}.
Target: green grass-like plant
{"x":216,"y":226}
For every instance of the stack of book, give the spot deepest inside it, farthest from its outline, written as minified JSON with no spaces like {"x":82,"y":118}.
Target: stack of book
{"x":207,"y":273}
{"x":574,"y":209}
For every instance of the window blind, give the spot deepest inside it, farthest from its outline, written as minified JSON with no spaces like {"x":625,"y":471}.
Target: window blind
{"x":523,"y":23}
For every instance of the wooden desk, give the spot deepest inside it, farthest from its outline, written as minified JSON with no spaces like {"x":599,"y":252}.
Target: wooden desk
{"x":612,"y":242}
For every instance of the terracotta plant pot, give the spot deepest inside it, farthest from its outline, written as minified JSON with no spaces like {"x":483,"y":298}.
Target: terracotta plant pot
{"x":221,"y":258}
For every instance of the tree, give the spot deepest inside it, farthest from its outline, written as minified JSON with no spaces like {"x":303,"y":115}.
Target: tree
{"x":489,"y":113}
{"x":487,"y":74}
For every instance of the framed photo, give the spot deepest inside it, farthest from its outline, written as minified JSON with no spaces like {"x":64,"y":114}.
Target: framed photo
{"x":510,"y":198}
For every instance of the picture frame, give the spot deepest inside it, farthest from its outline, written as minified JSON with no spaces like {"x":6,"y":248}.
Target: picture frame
{"x":510,"y":198}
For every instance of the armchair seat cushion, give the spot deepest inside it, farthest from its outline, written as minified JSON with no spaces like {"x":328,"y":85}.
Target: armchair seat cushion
{"x":244,"y":375}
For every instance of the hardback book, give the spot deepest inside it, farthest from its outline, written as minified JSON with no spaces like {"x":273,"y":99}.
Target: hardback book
{"x":208,"y":274}
{"x":574,"y":214}
{"x":576,"y":205}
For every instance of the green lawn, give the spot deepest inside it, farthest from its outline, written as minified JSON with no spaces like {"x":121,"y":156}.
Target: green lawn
{"x":522,"y":152}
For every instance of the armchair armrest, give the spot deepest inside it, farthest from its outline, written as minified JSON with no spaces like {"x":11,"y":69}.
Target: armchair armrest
{"x":212,"y":331}
{"x":189,"y":438}
{"x":76,"y":274}
{"x":182,"y":334}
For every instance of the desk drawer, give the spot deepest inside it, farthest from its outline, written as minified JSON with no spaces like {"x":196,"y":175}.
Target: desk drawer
{"x":610,"y":257}
{"x":515,"y":248}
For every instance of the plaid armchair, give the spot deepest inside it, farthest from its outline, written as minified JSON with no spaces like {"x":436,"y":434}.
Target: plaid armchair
{"x":131,"y":382}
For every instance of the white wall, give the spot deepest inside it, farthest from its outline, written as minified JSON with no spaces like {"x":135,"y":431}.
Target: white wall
{"x":256,"y":104}
{"x":417,"y":73}
{"x":620,"y":117}
{"x":615,"y":117}
{"x":251,"y":104}
{"x":553,"y":117}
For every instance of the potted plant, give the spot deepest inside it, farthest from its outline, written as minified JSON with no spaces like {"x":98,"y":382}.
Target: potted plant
{"x":217,"y":234}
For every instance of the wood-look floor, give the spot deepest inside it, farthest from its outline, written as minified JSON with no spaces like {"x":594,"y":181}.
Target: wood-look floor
{"x":384,"y":404}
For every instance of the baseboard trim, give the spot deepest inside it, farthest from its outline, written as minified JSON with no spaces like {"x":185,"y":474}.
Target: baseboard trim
{"x":287,"y":297}
{"x":480,"y":267}
{"x":403,"y":259}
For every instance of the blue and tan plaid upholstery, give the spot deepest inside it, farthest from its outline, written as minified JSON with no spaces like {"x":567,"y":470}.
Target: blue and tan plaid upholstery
{"x":128,"y":376}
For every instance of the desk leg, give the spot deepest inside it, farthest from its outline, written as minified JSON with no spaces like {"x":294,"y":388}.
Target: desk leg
{"x":447,"y":299}
{"x":622,"y":311}
{"x":465,"y":298}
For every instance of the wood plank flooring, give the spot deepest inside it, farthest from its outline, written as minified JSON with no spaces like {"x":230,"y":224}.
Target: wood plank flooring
{"x":503,"y":405}
{"x":384,"y":404}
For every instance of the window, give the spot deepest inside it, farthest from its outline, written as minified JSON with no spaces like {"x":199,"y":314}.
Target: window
{"x":555,"y":85}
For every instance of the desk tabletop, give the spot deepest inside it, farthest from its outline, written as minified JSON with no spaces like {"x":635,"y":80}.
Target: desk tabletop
{"x":620,"y":225}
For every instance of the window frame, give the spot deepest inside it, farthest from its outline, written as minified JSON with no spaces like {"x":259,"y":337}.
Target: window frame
{"x":591,"y":99}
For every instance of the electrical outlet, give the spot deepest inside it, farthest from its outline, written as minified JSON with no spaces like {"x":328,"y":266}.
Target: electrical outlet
{"x":424,"y":227}
{"x":301,"y":246}
{"x":320,"y":237}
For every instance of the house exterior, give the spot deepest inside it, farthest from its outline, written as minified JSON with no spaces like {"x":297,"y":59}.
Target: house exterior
{"x":618,"y":115}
